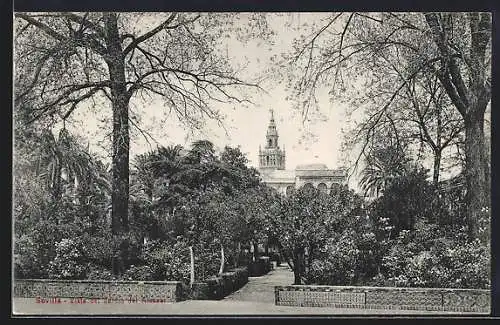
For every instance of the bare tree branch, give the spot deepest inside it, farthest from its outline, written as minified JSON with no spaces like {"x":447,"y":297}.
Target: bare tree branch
{"x":45,"y":28}
{"x":151,"y":33}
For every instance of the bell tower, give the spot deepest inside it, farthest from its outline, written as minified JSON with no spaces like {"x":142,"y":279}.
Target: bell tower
{"x":271,"y":157}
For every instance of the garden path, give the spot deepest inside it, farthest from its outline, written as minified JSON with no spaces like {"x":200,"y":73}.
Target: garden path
{"x":261,"y":289}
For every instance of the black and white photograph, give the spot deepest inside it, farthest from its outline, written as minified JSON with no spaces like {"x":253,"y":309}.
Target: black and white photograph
{"x":251,"y":163}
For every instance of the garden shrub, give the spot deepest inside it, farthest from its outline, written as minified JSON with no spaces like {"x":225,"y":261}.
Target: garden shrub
{"x":139,"y":273}
{"x":335,"y":263}
{"x":167,"y":261}
{"x":215,"y":288}
{"x":239,"y":277}
{"x":99,"y":248}
{"x":207,"y":261}
{"x":69,"y":261}
{"x":99,"y":273}
{"x":409,"y":199}
{"x":27,"y":260}
{"x":437,"y":262}
{"x":350,"y":259}
{"x":218,"y":287}
{"x":228,"y":282}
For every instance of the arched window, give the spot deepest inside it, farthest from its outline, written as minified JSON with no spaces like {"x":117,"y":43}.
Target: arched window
{"x":322,"y":187}
{"x":335,"y":188}
{"x":267,"y":160}
{"x":308,"y":186}
{"x":270,"y":142}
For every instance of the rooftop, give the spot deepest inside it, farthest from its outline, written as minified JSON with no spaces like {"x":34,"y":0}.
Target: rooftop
{"x":311,"y":167}
{"x":276,"y":174}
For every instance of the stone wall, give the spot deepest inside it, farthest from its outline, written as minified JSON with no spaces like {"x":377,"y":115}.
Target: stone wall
{"x":457,"y":300}
{"x":166,"y":291}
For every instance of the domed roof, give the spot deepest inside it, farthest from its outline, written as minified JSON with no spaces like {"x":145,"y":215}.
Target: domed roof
{"x":311,"y":167}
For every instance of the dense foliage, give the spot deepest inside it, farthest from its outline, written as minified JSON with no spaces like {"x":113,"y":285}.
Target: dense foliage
{"x":412,"y":235}
{"x":180,"y":198}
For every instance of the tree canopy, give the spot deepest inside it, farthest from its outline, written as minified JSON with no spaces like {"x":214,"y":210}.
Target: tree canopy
{"x":378,"y":60}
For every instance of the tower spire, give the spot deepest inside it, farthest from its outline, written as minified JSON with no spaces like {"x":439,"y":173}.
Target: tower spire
{"x":271,"y":156}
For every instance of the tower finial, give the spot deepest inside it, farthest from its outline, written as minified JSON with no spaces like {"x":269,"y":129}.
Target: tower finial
{"x":272,"y":114}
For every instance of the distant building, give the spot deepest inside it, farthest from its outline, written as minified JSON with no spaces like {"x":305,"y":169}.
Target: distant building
{"x":272,"y":168}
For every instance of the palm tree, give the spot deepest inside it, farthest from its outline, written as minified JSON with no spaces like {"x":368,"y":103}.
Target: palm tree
{"x":62,"y":161}
{"x":154,"y":166}
{"x":151,"y":178}
{"x":142,"y":176}
{"x":202,"y":151}
{"x":169,"y":161}
{"x":383,"y":166}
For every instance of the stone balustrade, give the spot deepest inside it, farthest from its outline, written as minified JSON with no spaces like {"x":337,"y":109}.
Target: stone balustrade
{"x":440,"y":299}
{"x":165,"y":291}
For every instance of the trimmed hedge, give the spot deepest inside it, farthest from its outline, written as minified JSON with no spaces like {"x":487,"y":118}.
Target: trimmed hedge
{"x":276,"y":258}
{"x":260,"y":267}
{"x":218,"y":287}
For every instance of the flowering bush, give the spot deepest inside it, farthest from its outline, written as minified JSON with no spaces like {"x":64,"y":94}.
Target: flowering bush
{"x":99,"y":273}
{"x":438,"y":262}
{"x":68,"y":262}
{"x":139,"y":273}
{"x":207,"y":263}
{"x":99,"y":248}
{"x":27,"y":262}
{"x":336,"y":263}
{"x":470,"y":263}
{"x":166,"y":261}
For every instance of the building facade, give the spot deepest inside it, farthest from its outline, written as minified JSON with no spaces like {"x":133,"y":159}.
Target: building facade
{"x":273,"y":172}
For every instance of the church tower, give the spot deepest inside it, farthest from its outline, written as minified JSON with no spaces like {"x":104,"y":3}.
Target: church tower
{"x":271,"y":157}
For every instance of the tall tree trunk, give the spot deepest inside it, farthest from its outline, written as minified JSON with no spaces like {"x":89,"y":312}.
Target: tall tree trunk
{"x":296,"y":267}
{"x":255,"y":250}
{"x":471,"y":101}
{"x":221,"y":268}
{"x":287,"y":258}
{"x":477,"y":195}
{"x":310,"y":257}
{"x":237,"y":255}
{"x":57,"y":186}
{"x":121,"y":140}
{"x":437,"y":149}
{"x":191,"y":274}
{"x":437,"y":167}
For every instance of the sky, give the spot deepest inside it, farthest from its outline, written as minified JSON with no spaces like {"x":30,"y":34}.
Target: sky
{"x":244,"y":126}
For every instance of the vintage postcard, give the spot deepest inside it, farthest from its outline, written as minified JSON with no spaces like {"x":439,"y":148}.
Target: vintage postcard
{"x":227,"y":163}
